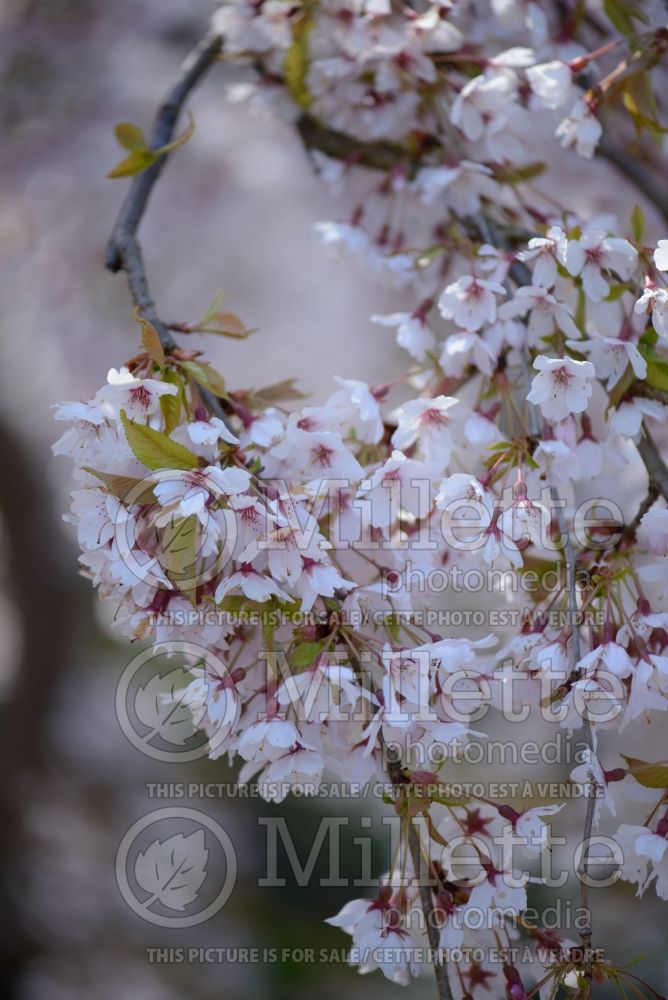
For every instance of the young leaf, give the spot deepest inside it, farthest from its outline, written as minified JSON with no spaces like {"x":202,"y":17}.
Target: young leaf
{"x":226,"y":324}
{"x":621,"y":13}
{"x":515,"y":175}
{"x":295,"y":64}
{"x":214,"y":308}
{"x":178,"y":546}
{"x":171,"y":405}
{"x":269,"y":647}
{"x":581,"y":310}
{"x":154,"y":449}
{"x":304,"y":655}
{"x":206,"y":376}
{"x":637,"y":223}
{"x":279,"y":390}
{"x":151,"y":342}
{"x":121,"y":486}
{"x":649,"y":775}
{"x":141,"y":156}
{"x":620,"y":390}
{"x":130,"y":136}
{"x":135,"y":163}
{"x":657,"y":367}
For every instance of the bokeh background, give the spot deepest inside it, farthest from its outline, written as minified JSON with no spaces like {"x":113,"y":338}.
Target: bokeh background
{"x":234,"y":211}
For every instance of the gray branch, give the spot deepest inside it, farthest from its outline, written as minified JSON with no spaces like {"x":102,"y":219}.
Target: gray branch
{"x":654,"y":463}
{"x":124,"y":251}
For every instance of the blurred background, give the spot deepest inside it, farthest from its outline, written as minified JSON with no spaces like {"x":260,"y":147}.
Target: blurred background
{"x":233,"y":211}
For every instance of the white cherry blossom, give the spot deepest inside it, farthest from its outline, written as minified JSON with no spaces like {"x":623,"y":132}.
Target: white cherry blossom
{"x":594,"y":253}
{"x":470,"y":302}
{"x":562,"y":386}
{"x":139,"y":398}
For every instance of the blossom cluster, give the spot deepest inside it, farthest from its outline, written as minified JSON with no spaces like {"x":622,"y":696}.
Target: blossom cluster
{"x":309,"y":538}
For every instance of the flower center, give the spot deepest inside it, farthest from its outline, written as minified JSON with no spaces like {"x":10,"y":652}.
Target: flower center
{"x":322,"y":456}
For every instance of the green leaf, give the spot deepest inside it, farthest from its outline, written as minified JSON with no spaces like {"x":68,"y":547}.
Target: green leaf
{"x":133,"y":164}
{"x":642,"y":121}
{"x":214,"y":308}
{"x":279,"y":390}
{"x":226,"y":324}
{"x":657,"y":367}
{"x":621,"y":14}
{"x":640,"y":101}
{"x":234,"y":602}
{"x":581,"y":310}
{"x":268,"y":644}
{"x":448,"y":802}
{"x":637,"y":223}
{"x":178,"y":545}
{"x":179,"y":554}
{"x":649,"y":775}
{"x":130,"y":136}
{"x":141,"y":156}
{"x":620,"y":390}
{"x":616,"y":291}
{"x":154,"y":449}
{"x":121,"y":486}
{"x":206,"y":376}
{"x":393,"y":628}
{"x":515,"y":175}
{"x":304,"y":655}
{"x":171,"y":405}
{"x":151,"y":342}
{"x":295,"y":64}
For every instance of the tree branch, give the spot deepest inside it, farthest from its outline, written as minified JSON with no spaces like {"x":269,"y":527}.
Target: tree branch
{"x":535,"y":428}
{"x":124,"y":251}
{"x":650,"y":497}
{"x":634,"y":171}
{"x":426,"y":901}
{"x":654,"y":463}
{"x":193,"y":68}
{"x":340,"y":146}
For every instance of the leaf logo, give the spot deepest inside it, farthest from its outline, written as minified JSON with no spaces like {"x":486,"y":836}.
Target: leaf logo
{"x":156,"y":708}
{"x":173,"y":871}
{"x":160,"y":706}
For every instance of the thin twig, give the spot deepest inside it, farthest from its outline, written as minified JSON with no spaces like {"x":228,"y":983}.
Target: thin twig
{"x":426,"y":900}
{"x":340,"y":146}
{"x":632,"y":168}
{"x":574,"y":659}
{"x":124,"y":251}
{"x":193,"y":68}
{"x":536,"y":430}
{"x":640,"y":388}
{"x":654,"y":463}
{"x":632,"y":526}
{"x":427,"y":903}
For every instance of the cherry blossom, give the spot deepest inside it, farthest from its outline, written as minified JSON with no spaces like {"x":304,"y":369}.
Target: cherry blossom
{"x":470,"y":301}
{"x":315,"y":549}
{"x":580,"y":129}
{"x":413,"y":333}
{"x":426,"y":422}
{"x":562,"y":386}
{"x":138,"y":397}
{"x":595,"y":252}
{"x":546,"y":251}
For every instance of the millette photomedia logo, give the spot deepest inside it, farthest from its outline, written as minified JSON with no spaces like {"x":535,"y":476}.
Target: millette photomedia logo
{"x":176,"y":867}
